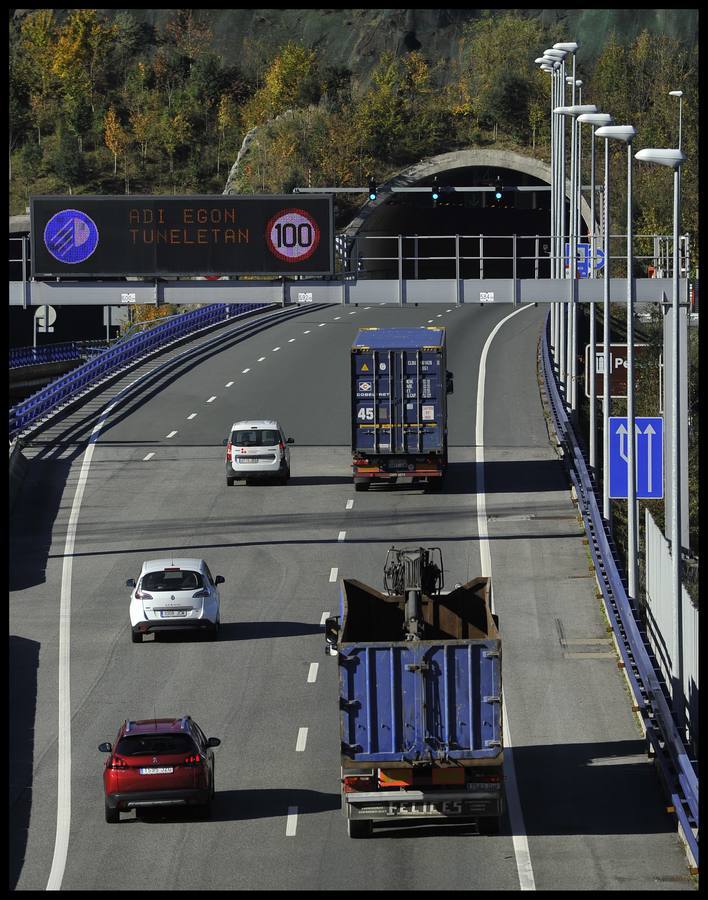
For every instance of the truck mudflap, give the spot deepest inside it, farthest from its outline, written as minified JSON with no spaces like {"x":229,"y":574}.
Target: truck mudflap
{"x":424,"y":804}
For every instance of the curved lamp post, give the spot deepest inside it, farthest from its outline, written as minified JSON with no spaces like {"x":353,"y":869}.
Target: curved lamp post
{"x":625,"y":133}
{"x":674,"y":159}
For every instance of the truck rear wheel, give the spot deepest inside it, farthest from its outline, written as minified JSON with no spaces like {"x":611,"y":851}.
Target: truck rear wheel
{"x":434,"y":485}
{"x":489,"y":825}
{"x":359,"y":828}
{"x":362,"y":485}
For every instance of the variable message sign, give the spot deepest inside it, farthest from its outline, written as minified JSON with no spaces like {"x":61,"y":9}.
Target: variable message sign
{"x":168,"y":236}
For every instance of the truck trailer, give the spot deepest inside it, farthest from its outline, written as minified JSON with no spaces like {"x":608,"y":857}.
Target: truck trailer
{"x":400,"y":385}
{"x":419,"y":697}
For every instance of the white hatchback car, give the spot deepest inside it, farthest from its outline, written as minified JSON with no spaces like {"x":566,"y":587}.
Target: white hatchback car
{"x":257,"y":448}
{"x":172,"y":595}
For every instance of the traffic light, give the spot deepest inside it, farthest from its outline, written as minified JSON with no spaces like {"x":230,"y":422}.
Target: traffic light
{"x":435,"y":191}
{"x":498,"y":190}
{"x":372,"y":189}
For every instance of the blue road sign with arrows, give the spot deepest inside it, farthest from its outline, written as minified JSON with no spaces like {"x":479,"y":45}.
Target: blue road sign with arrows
{"x":584,"y":258}
{"x":649,"y":431}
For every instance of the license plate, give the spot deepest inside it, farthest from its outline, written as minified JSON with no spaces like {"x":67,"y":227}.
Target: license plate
{"x":444,"y":808}
{"x":398,"y":464}
{"x":172,"y":613}
{"x":245,"y":459}
{"x":160,"y":770}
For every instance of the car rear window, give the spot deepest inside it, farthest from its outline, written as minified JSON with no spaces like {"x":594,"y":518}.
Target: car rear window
{"x":179,"y":580}
{"x":255,"y":437}
{"x":145,"y":744}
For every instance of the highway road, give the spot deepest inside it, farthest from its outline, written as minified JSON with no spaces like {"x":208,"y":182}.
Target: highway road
{"x":586,"y":810}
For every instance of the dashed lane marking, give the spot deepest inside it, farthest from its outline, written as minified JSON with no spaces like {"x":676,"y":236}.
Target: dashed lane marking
{"x":211,"y":399}
{"x":228,"y":384}
{"x":312,"y":674}
{"x":191,"y":416}
{"x":171,"y":434}
{"x":301,"y":740}
{"x":325,"y":615}
{"x":333,"y":574}
{"x":350,"y":503}
{"x":149,"y":456}
{"x":341,"y":536}
{"x":291,"y":823}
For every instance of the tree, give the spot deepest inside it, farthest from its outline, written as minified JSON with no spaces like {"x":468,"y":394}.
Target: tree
{"x":190,"y":36}
{"x":65,"y":162}
{"x":115,"y":136}
{"x":37,"y":48}
{"x":291,"y":81}
{"x":225,"y":118}
{"x":380,"y":113}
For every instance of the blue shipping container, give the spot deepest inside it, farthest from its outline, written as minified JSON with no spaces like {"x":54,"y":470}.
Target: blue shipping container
{"x":399,"y":399}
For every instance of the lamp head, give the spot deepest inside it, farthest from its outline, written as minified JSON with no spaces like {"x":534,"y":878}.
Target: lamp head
{"x":618,"y":132}
{"x":576,"y":110}
{"x":663,"y":157}
{"x":568,"y":46}
{"x":595,"y":118}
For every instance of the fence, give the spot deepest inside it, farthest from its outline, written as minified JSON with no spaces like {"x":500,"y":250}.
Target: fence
{"x":50,"y":353}
{"x":660,"y":630}
{"x":117,"y":357}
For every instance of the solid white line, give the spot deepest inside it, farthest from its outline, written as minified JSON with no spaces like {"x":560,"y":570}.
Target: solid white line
{"x":171,"y":434}
{"x":291,"y":823}
{"x":191,"y":416}
{"x":211,"y":399}
{"x":228,"y":384}
{"x":301,"y":740}
{"x":341,"y":536}
{"x":312,"y":674}
{"x":516,"y":816}
{"x":350,"y":503}
{"x":149,"y":456}
{"x":261,"y":358}
{"x":325,"y":615}
{"x":333,"y":574}
{"x":61,"y":839}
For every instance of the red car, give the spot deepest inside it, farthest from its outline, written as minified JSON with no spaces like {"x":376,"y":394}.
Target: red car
{"x":159,"y":762}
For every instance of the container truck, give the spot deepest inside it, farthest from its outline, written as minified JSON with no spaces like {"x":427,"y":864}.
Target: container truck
{"x":419,"y":697}
{"x":400,"y":385}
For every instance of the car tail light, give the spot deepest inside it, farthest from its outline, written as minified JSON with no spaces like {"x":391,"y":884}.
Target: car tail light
{"x":357,"y":783}
{"x":492,"y":778}
{"x":228,"y":452}
{"x":143,"y":595}
{"x":117,"y":762}
{"x":193,"y":760}
{"x":201,"y":595}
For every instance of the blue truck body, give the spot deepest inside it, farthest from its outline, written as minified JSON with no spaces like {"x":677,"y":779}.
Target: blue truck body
{"x":399,"y":403}
{"x":420,"y":720}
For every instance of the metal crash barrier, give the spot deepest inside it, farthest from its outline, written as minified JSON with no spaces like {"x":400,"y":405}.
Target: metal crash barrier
{"x":677,"y":771}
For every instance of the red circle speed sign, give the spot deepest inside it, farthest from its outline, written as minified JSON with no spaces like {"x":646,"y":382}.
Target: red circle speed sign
{"x":292,"y":235}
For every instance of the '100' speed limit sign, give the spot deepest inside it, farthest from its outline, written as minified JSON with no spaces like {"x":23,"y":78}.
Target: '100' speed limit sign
{"x":292,"y":235}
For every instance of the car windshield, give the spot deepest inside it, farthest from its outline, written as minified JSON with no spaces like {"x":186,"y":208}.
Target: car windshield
{"x":146,"y":744}
{"x":172,"y":580}
{"x":255,"y":437}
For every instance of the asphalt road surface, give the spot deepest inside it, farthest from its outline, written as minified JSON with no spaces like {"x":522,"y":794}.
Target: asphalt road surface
{"x":591,"y":812}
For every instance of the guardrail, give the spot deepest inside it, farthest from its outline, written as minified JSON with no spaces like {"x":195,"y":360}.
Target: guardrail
{"x":116,"y":357}
{"x":676,"y":769}
{"x":49,"y":353}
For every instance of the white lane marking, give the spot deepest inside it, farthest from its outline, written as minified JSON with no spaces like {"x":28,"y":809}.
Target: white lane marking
{"x":246,"y":370}
{"x":275,"y":349}
{"x":516,"y":816}
{"x":429,"y":321}
{"x":301,"y":740}
{"x":439,"y":316}
{"x":291,"y":340}
{"x":322,"y":325}
{"x":261,"y":358}
{"x":306,"y":332}
{"x":448,"y":310}
{"x":211,"y":399}
{"x":61,"y":838}
{"x":352,"y":313}
{"x":312,"y":674}
{"x":325,"y":615}
{"x":171,"y":434}
{"x":149,"y":456}
{"x":333,"y":574}
{"x":337,"y":317}
{"x":350,"y":503}
{"x":191,"y":416}
{"x":367,"y":307}
{"x":341,"y":536}
{"x":228,"y":384}
{"x":291,"y":823}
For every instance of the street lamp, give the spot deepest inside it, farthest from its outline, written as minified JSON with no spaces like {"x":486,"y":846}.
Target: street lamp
{"x":678,"y":94}
{"x":674,"y":158}
{"x":545,"y":67}
{"x":572,"y":385}
{"x":592,"y":119}
{"x":625,"y":133}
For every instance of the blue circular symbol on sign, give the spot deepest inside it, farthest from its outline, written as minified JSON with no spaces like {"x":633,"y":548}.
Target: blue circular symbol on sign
{"x":71,"y":236}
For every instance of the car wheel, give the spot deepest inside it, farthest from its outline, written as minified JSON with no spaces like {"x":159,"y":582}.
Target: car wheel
{"x":361,"y":485}
{"x":205,"y":810}
{"x":489,"y":825}
{"x":359,"y":828}
{"x":112,"y":815}
{"x":434,"y":485}
{"x":136,"y":637}
{"x":213,"y":632}
{"x":230,"y":481}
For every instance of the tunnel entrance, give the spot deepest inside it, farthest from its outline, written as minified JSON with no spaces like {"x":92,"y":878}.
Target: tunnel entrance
{"x":429,"y":227}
